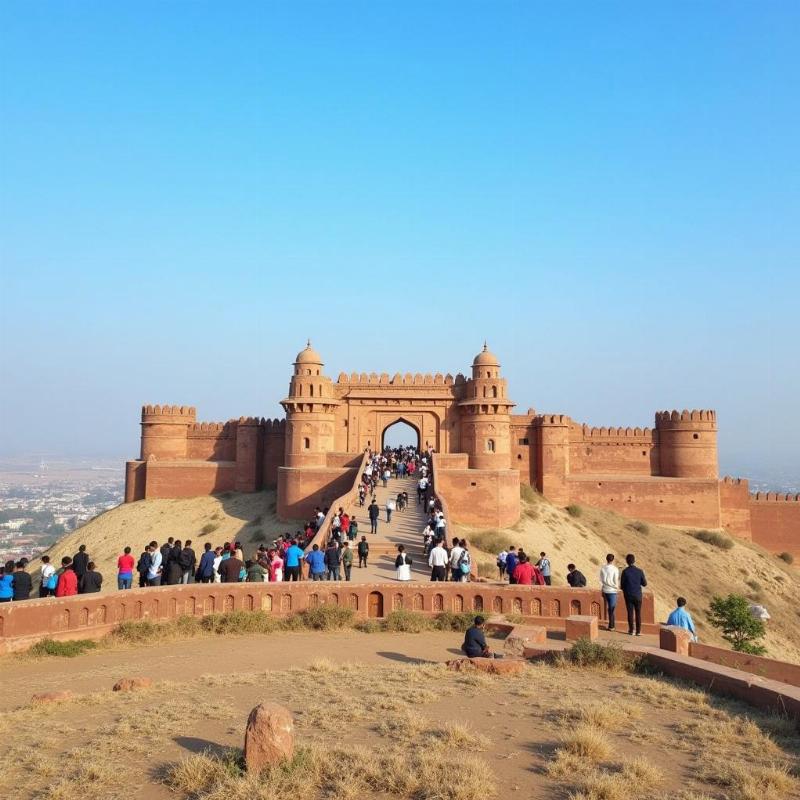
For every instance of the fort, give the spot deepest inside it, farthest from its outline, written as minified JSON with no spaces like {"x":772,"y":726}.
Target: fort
{"x":483,"y":452}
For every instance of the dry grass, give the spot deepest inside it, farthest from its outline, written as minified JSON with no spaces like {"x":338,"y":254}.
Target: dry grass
{"x":587,"y":741}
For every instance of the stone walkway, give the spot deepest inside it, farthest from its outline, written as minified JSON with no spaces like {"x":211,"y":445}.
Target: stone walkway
{"x":405,"y":528}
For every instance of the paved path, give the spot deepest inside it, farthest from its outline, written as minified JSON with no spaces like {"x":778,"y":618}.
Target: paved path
{"x":405,"y":528}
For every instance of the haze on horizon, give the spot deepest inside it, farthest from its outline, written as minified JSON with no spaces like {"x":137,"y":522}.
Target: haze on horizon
{"x":608,"y":193}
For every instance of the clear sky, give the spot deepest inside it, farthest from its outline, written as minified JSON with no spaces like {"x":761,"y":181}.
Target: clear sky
{"x":607,"y":192}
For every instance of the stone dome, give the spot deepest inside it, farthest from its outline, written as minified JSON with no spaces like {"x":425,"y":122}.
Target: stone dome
{"x":485,"y":358}
{"x":308,"y":356}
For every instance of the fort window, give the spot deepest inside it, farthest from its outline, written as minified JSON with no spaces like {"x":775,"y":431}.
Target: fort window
{"x":490,"y":445}
{"x":695,"y":436}
{"x":644,"y":452}
{"x":306,"y":443}
{"x":524,"y":442}
{"x":494,"y":391}
{"x":311,"y":389}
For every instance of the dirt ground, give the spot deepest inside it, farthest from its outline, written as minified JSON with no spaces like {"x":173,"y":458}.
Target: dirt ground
{"x":366,"y":695}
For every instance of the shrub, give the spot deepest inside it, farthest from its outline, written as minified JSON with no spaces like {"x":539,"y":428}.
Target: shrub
{"x":754,"y":585}
{"x":138,"y":632}
{"x":787,"y":557}
{"x":450,"y":621}
{"x":714,"y":538}
{"x":585,"y":653}
{"x":669,"y":566}
{"x":574,"y":510}
{"x":368,"y":626}
{"x":491,"y":541}
{"x":640,"y":527}
{"x":732,"y":615}
{"x":402,"y":621}
{"x":326,"y":617}
{"x":587,"y":742}
{"x":70,"y":649}
{"x":209,"y":527}
{"x":239,"y":622}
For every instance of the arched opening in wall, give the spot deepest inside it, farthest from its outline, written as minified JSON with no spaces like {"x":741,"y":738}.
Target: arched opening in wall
{"x":399,"y":434}
{"x":494,"y":391}
{"x":306,"y":443}
{"x":311,"y":389}
{"x":490,"y":445}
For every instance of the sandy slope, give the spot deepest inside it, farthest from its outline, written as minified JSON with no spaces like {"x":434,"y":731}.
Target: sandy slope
{"x":136,"y":524}
{"x":673,"y":560}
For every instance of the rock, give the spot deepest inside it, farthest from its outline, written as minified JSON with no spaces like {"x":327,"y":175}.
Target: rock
{"x":759,"y":612}
{"x":52,"y":697}
{"x":269,"y":738}
{"x":492,"y":666}
{"x":132,"y":684}
{"x":523,"y":636}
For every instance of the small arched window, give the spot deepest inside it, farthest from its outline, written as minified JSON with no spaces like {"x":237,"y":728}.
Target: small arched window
{"x":494,"y":391}
{"x":490,"y":445}
{"x":484,"y":391}
{"x":306,"y":443}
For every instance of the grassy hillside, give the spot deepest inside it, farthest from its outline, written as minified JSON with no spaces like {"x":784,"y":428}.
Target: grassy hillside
{"x":249,"y":518}
{"x":674,"y":560}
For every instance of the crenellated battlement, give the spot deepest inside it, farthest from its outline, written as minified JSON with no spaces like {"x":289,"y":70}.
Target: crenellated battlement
{"x":419,"y":379}
{"x":669,"y":419}
{"x":211,"y":428}
{"x":593,"y":433}
{"x":552,"y":419}
{"x":733,"y":481}
{"x":182,"y":413}
{"x":774,"y":497}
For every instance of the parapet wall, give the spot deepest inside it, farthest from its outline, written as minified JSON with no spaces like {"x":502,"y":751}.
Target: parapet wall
{"x":373,"y":379}
{"x":734,"y":507}
{"x":93,"y":616}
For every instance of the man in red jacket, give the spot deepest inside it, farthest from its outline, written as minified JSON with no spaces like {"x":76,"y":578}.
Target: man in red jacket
{"x":67,"y":581}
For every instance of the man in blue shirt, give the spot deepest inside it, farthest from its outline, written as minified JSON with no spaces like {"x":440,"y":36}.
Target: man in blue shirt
{"x":316,"y":563}
{"x":511,"y":563}
{"x":682,"y":618}
{"x":292,"y":564}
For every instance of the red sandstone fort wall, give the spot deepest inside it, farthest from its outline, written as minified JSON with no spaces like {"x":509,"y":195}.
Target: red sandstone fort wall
{"x":676,"y":501}
{"x":300,"y":490}
{"x":612,"y":451}
{"x":734,"y":507}
{"x":188,"y":478}
{"x":775,"y":522}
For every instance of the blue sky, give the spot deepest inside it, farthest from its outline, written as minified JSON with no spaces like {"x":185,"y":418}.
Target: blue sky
{"x":607,"y":192}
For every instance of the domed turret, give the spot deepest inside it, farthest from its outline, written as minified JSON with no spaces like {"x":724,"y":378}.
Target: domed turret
{"x":308,"y":361}
{"x":485,"y":358}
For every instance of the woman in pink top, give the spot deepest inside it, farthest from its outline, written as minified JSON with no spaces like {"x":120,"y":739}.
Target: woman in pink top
{"x":276,"y":568}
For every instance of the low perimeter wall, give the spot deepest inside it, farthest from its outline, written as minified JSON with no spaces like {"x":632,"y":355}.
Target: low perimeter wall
{"x":92,"y":616}
{"x":757,"y":665}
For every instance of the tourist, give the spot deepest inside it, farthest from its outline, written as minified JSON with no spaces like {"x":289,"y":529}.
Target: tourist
{"x":386,"y":475}
{"x":125,"y":569}
{"x":156,"y":560}
{"x":91,"y":580}
{"x":501,"y":563}
{"x":454,"y":574}
{"x":345,"y":523}
{"x":352,"y":529}
{"x":255,"y":572}
{"x":437,"y":561}
{"x":316,"y":563}
{"x":80,"y":562}
{"x":333,"y":560}
{"x":276,"y":566}
{"x":292,"y":559}
{"x":523,"y":571}
{"x":230,"y":569}
{"x":402,"y":564}
{"x":165,"y":551}
{"x":575,"y":578}
{"x":22,"y":583}
{"x":362,"y":492}
{"x":187,"y":560}
{"x":67,"y":585}
{"x":632,"y":581}
{"x":172,"y":573}
{"x":681,"y":618}
{"x":390,"y":506}
{"x":347,"y":560}
{"x":6,"y":585}
{"x":49,"y":579}
{"x":217,"y":561}
{"x":544,"y":567}
{"x":374,"y":512}
{"x":363,"y":552}
{"x":464,"y":565}
{"x":511,"y":563}
{"x":205,"y":571}
{"x":143,"y":565}
{"x":609,"y":586}
{"x":475,"y":641}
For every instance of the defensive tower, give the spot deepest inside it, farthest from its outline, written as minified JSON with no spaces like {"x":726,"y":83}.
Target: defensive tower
{"x":687,"y":443}
{"x":165,"y":430}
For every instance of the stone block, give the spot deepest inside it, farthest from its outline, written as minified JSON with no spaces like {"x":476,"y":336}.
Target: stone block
{"x":523,"y":636}
{"x":491,"y":666}
{"x":581,"y":626}
{"x":674,"y":639}
{"x":132,"y":684}
{"x":52,"y":697}
{"x":269,"y":737}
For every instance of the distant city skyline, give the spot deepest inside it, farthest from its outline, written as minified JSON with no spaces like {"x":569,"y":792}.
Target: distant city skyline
{"x":607,"y":193}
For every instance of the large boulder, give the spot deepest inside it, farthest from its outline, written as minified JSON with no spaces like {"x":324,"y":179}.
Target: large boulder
{"x":132,"y":684}
{"x":269,"y":738}
{"x":52,"y":697}
{"x":492,"y":666}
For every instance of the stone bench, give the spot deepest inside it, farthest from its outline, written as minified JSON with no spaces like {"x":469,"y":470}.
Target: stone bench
{"x":522,"y":636}
{"x":581,"y":626}
{"x":674,"y":639}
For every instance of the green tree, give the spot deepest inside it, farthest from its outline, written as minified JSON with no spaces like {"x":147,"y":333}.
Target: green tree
{"x":732,"y":615}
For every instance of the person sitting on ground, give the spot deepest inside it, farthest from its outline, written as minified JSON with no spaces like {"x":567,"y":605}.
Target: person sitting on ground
{"x":475,"y":641}
{"x":575,"y":578}
{"x":681,"y":618}
{"x":91,"y":580}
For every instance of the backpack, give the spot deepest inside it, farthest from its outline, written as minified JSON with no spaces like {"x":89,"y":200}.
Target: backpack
{"x":463,"y":563}
{"x":145,"y":562}
{"x":52,"y":581}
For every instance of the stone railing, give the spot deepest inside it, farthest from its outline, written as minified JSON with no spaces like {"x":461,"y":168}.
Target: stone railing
{"x":758,"y":665}
{"x":92,"y":616}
